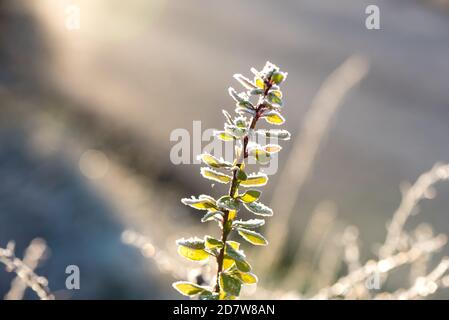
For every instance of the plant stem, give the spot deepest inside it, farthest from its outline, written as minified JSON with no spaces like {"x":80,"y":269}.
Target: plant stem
{"x":227,"y":227}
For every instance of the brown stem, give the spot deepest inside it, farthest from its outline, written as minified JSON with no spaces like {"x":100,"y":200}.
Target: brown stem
{"x":234,"y":186}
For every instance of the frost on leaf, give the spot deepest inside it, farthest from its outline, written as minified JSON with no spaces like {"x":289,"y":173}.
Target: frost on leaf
{"x":189,"y":289}
{"x":214,"y":162}
{"x":230,"y":284}
{"x":238,"y":257}
{"x":258,"y":208}
{"x":212,"y":216}
{"x":275,"y":133}
{"x":273,"y":117}
{"x":192,"y":249}
{"x":250,"y":196}
{"x":215,"y":175}
{"x":212,"y":243}
{"x":255,"y":180}
{"x":228,"y":203}
{"x":253,"y":237}
{"x":203,"y":202}
{"x":224,"y":136}
{"x":249,"y":224}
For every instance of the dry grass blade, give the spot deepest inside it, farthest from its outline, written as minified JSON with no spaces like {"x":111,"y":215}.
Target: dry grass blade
{"x":411,"y":197}
{"x":383,"y":266}
{"x":25,"y":273}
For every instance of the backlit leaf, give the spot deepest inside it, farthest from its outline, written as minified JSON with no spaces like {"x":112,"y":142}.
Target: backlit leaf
{"x":274,"y":117}
{"x":230,"y":284}
{"x":192,"y":249}
{"x":249,"y":224}
{"x":212,"y":215}
{"x":224,"y":136}
{"x":228,"y":202}
{"x":258,"y":208}
{"x":278,"y":77}
{"x":253,"y":237}
{"x":214,"y":162}
{"x":189,"y":289}
{"x":215,"y":175}
{"x":250,"y":196}
{"x":202,"y":203}
{"x":212,"y":243}
{"x":255,"y":180}
{"x":275,"y":133}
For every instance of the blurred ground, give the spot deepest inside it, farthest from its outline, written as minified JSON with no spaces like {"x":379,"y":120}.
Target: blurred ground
{"x":137,"y":70}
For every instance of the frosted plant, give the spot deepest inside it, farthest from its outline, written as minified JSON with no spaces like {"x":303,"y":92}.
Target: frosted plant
{"x":262,"y":99}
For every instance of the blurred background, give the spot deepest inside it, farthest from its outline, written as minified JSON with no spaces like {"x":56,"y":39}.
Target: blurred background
{"x":87,"y":110}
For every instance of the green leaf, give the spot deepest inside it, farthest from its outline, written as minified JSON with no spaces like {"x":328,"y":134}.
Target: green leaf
{"x":241,"y":122}
{"x":230,"y":284}
{"x":224,"y":136}
{"x":277,"y":93}
{"x":250,"y":196}
{"x":253,"y":237}
{"x":189,"y":289}
{"x":203,"y":202}
{"x":274,"y":117}
{"x":243,"y":265}
{"x":212,"y":243}
{"x":214,"y":162}
{"x":249,"y":224}
{"x":245,"y":82}
{"x":275,"y":133}
{"x":258,"y":208}
{"x":192,"y":249}
{"x":228,"y":202}
{"x":256,"y":92}
{"x":274,"y":100}
{"x":278,"y":77}
{"x":215,"y":175}
{"x":238,"y":257}
{"x":255,"y":180}
{"x":235,"y":131}
{"x":241,"y":175}
{"x":212,"y":215}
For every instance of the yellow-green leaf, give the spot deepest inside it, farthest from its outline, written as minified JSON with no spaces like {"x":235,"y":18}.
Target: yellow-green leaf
{"x":203,"y":202}
{"x":253,"y":237}
{"x":188,"y":288}
{"x":192,"y":249}
{"x":255,"y":180}
{"x":224,"y":136}
{"x":214,"y":162}
{"x":250,"y":196}
{"x":215,"y":175}
{"x":274,"y":117}
{"x":259,"y":82}
{"x":212,"y":243}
